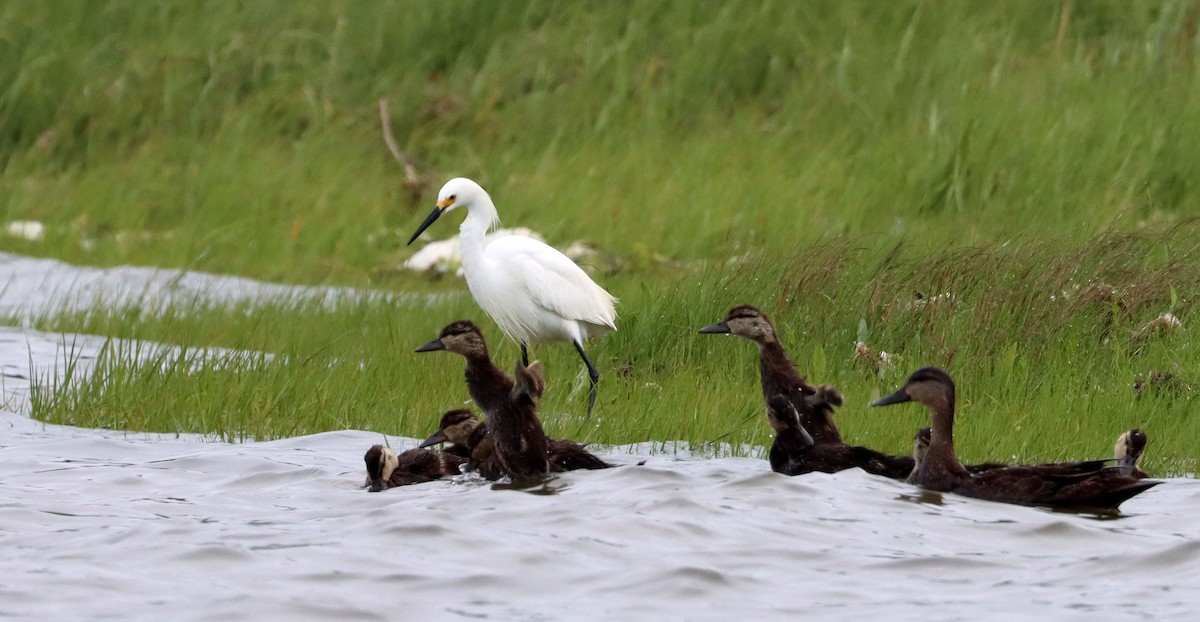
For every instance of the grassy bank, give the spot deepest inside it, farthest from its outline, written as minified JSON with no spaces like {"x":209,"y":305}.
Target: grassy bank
{"x":824,"y":160}
{"x":1045,"y":341}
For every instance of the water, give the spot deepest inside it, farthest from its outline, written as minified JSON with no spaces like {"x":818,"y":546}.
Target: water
{"x":135,"y":526}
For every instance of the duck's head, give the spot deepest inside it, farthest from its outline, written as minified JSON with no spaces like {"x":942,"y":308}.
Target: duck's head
{"x":744,"y":321}
{"x":1129,"y":447}
{"x":457,"y":192}
{"x":456,"y":426}
{"x":783,"y":417}
{"x":381,"y":463}
{"x":461,"y":337}
{"x":528,"y":381}
{"x":930,"y":386}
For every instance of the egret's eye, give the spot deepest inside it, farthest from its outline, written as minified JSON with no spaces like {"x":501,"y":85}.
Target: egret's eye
{"x":453,"y":197}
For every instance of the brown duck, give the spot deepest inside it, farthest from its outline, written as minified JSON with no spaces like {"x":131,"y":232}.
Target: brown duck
{"x":463,"y":429}
{"x":1099,"y":488}
{"x":921,"y":445}
{"x":794,"y":452}
{"x":789,"y":396}
{"x":386,"y":470}
{"x":779,"y":375}
{"x":518,"y":441}
{"x":467,"y":436}
{"x":1128,"y":451}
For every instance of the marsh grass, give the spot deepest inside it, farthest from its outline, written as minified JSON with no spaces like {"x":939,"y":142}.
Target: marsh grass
{"x":948,"y":182}
{"x":1046,"y":341}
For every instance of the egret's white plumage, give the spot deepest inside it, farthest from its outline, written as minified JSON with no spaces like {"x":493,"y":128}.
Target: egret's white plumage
{"x":532,"y":291}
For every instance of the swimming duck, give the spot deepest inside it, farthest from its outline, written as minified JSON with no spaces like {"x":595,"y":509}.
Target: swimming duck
{"x":921,"y":445}
{"x":467,"y":436}
{"x":794,"y":451}
{"x":386,"y":470}
{"x":463,"y":428}
{"x":779,"y":375}
{"x":1128,"y":451}
{"x":518,"y":440}
{"x":1099,"y":487}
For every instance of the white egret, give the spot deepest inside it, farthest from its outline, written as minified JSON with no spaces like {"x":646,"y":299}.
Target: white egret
{"x":532,"y":291}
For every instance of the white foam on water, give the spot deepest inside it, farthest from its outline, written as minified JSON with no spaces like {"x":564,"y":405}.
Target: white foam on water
{"x":97,"y":523}
{"x":30,"y":287}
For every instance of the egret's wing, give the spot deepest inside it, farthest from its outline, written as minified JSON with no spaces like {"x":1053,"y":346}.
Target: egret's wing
{"x":555,"y":283}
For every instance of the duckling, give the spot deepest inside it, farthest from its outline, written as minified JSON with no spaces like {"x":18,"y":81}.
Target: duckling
{"x":1097,"y":487}
{"x":467,"y":436}
{"x":1128,"y":451}
{"x":463,"y":428}
{"x":794,"y":451}
{"x":386,"y":470}
{"x":564,"y":455}
{"x":518,"y":440}
{"x":779,"y":375}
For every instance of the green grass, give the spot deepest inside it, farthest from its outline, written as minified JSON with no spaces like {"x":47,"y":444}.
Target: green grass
{"x":823,"y":160}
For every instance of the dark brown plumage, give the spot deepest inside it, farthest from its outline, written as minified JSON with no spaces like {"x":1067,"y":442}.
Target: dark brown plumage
{"x":467,"y":436}
{"x":463,"y":429}
{"x":779,"y":375}
{"x":386,"y":469}
{"x":1085,"y":485}
{"x":921,"y":445}
{"x":794,"y":406}
{"x":794,"y":452}
{"x":519,"y":443}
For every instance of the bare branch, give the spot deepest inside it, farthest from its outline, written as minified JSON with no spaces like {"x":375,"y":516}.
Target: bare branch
{"x":412,"y":178}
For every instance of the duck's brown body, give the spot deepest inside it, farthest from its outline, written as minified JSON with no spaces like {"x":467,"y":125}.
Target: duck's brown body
{"x":467,"y":436}
{"x":777,"y":373}
{"x":386,"y":469}
{"x":1090,"y":485}
{"x":464,"y":430}
{"x":519,"y":445}
{"x":794,"y":452}
{"x":784,"y":391}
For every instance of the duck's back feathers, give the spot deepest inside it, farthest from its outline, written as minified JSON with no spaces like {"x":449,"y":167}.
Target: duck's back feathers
{"x":1104,"y":488}
{"x":568,"y":455}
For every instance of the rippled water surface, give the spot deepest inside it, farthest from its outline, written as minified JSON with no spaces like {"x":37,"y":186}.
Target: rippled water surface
{"x":137,"y":526}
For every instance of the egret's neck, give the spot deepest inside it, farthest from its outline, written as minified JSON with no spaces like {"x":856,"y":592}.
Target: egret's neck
{"x":481,"y":217}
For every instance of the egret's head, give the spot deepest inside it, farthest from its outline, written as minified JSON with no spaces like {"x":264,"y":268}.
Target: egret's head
{"x":461,"y":337}
{"x":457,"y":192}
{"x":381,"y":463}
{"x":745,"y":321}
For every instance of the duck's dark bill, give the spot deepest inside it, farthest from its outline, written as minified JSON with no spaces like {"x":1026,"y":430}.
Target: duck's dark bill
{"x":898,"y":397}
{"x":376,"y":484}
{"x":437,"y":211}
{"x":436,"y":344}
{"x":719,"y":327}
{"x":438,"y":437}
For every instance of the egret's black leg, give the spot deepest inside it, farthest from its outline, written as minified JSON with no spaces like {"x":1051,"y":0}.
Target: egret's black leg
{"x":524,"y":355}
{"x":592,"y":373}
